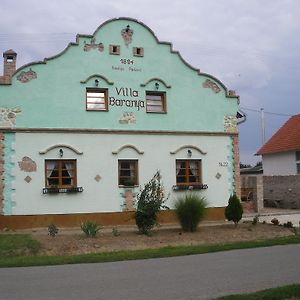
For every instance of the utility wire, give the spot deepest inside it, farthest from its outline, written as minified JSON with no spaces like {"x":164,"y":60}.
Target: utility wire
{"x":267,"y":112}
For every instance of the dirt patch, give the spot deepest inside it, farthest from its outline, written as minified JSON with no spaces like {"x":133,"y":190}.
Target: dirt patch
{"x":75,"y":242}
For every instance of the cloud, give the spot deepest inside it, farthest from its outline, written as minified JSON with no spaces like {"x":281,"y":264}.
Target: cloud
{"x":251,"y":46}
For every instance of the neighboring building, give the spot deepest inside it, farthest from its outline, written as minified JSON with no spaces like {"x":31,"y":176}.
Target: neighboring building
{"x":83,"y":130}
{"x":281,"y":154}
{"x":281,"y":166}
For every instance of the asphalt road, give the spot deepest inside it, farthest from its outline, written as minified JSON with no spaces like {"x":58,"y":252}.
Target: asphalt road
{"x":203,"y":276}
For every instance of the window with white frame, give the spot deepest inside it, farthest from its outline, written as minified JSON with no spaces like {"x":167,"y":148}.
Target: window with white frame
{"x":96,"y":99}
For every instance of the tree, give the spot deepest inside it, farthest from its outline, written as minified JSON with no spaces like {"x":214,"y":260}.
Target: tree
{"x":149,"y":201}
{"x":234,"y":209}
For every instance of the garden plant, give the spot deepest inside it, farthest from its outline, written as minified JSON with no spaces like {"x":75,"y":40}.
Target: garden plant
{"x":190,"y":210}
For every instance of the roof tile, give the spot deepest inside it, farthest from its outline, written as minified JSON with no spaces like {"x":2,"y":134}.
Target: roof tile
{"x":287,"y":138}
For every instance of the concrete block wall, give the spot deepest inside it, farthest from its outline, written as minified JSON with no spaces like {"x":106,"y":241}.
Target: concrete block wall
{"x":285,"y":189}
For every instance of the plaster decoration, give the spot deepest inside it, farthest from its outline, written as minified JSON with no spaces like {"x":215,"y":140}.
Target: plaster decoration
{"x":97,"y":177}
{"x":127,"y":34}
{"x":8,"y":116}
{"x":93,"y":45}
{"x":27,"y":164}
{"x":127,"y":118}
{"x":128,"y":146}
{"x":218,"y":175}
{"x":188,"y":147}
{"x":27,"y":179}
{"x":61,"y":146}
{"x":230,"y":123}
{"x":25,"y":77}
{"x":156,"y":79}
{"x":211,"y":85}
{"x":129,"y":201}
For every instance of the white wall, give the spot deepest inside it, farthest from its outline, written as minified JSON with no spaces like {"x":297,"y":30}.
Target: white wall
{"x":279,"y":164}
{"x":97,"y":158}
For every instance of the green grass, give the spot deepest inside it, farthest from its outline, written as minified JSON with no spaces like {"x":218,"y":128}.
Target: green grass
{"x":17,"y":261}
{"x":17,"y":244}
{"x":281,"y":293}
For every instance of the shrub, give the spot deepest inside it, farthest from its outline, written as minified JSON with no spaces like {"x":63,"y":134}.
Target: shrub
{"x":115,"y":231}
{"x":90,"y":228}
{"x":190,"y":210}
{"x":52,"y":230}
{"x":275,"y":221}
{"x":255,"y":220}
{"x":234,"y":209}
{"x":288,"y":224}
{"x":149,"y":201}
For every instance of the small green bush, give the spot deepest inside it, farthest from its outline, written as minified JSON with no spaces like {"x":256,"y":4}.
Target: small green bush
{"x":52,"y":230}
{"x":255,"y":220}
{"x":115,"y":231}
{"x":90,"y":228}
{"x":288,"y":224}
{"x":149,"y":201}
{"x":190,"y":210}
{"x":234,"y":210}
{"x":275,"y":221}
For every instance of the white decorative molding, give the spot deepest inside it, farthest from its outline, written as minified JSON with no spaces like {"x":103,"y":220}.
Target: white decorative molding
{"x":188,"y":147}
{"x":61,"y":146}
{"x":128,"y":146}
{"x":156,"y":79}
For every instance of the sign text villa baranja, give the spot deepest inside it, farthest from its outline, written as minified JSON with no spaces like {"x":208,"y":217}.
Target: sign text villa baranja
{"x":129,"y":93}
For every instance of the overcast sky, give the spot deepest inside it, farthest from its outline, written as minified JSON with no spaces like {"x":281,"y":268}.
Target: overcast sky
{"x":252,"y":46}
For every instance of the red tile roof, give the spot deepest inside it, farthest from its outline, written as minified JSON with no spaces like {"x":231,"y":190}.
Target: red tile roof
{"x":287,"y":138}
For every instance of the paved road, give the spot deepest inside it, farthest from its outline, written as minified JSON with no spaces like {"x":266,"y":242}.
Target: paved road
{"x":202,"y":276}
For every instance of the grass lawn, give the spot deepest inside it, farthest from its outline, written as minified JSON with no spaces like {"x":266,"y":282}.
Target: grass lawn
{"x":18,"y":250}
{"x":12,"y":245}
{"x":290,"y":292}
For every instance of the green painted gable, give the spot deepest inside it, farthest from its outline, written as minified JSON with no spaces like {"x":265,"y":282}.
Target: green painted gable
{"x":54,"y":95}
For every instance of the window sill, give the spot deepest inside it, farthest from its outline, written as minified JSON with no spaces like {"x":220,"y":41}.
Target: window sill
{"x":189,"y":187}
{"x":128,"y":186}
{"x":62,"y":190}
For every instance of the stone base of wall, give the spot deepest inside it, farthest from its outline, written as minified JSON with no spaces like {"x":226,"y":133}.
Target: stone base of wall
{"x":282,"y":191}
{"x":105,"y":219}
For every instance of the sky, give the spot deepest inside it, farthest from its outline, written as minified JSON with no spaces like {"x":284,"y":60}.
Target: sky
{"x":252,"y":46}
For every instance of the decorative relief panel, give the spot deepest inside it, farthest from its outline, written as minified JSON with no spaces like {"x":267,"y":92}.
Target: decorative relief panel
{"x":27,"y":164}
{"x":230,"y":124}
{"x":127,"y":34}
{"x":127,"y":118}
{"x":211,"y":85}
{"x":27,"y":76}
{"x":93,"y":45}
{"x":8,"y":116}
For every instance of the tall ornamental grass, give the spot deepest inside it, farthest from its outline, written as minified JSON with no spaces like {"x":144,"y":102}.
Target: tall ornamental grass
{"x":190,"y":210}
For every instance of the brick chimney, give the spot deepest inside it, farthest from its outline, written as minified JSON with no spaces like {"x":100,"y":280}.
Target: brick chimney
{"x":9,"y":66}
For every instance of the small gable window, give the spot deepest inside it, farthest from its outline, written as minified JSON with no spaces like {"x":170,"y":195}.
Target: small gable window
{"x":114,"y":49}
{"x":138,"y":51}
{"x":96,"y":99}
{"x":155,"y":102}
